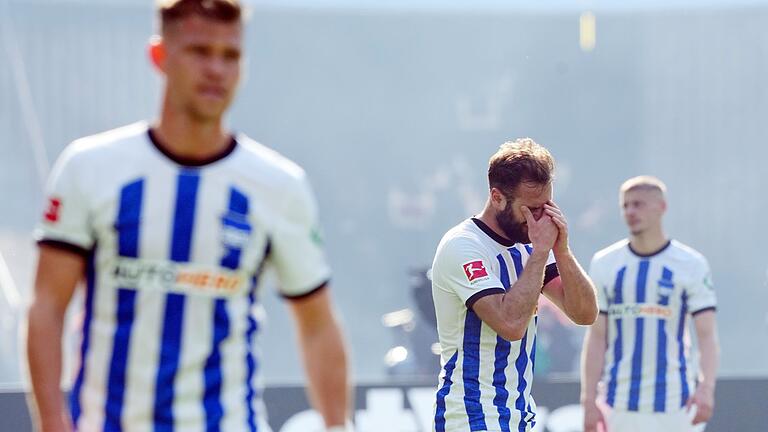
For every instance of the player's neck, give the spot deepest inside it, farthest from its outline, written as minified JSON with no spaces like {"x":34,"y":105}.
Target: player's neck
{"x":648,"y":242}
{"x":187,"y":138}
{"x":488,"y":217}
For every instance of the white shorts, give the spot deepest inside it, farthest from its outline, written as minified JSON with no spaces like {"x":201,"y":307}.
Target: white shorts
{"x":676,"y":421}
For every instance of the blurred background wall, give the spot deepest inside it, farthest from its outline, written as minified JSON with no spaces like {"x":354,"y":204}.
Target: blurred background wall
{"x":394,"y":110}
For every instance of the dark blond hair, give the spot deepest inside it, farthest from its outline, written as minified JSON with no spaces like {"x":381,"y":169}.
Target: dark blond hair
{"x":520,"y":161}
{"x":220,"y":10}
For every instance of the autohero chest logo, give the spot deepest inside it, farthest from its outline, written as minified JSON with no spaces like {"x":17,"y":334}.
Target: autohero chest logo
{"x":475,"y":271}
{"x":176,"y":277}
{"x":639,"y":310}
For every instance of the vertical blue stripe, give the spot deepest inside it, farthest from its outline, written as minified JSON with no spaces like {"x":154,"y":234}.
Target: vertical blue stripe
{"x":618,"y":298}
{"x":681,"y":348}
{"x":517,"y":259}
{"x":521,"y":364}
{"x":236,"y":219}
{"x":637,"y":355}
{"x":501,"y":361}
{"x":250,"y":362}
{"x":127,"y":226}
{"x":443,"y":393}
{"x":660,"y":396}
{"x":170,"y":348}
{"x":214,"y":411}
{"x":74,"y":396}
{"x":532,"y":415}
{"x":471,"y":374}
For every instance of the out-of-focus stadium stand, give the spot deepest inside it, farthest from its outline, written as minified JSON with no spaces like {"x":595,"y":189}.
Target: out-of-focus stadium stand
{"x":394,"y":112}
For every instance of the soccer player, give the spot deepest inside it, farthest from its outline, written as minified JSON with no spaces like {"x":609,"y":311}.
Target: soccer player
{"x":171,"y":225}
{"x":648,"y":286}
{"x":487,"y":276}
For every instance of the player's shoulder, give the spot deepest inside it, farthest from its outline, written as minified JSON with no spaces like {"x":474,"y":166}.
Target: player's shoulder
{"x":268,"y":163}
{"x":616,"y":249}
{"x":683,"y":252}
{"x":101,"y":148}
{"x":461,"y":238}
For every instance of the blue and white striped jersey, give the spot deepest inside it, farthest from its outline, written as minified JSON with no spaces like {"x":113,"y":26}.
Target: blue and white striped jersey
{"x":175,"y":249}
{"x":647,"y":300}
{"x":485,"y":380}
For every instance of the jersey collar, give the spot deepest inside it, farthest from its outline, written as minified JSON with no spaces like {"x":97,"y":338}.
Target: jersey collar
{"x":492,"y":234}
{"x":186,"y":161}
{"x":648,"y":255}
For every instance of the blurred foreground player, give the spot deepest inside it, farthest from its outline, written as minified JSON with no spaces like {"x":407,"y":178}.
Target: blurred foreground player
{"x":487,"y":276}
{"x":171,"y":225}
{"x":648,"y":286}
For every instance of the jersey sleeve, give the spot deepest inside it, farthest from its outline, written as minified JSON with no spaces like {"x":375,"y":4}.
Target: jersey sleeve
{"x":461,"y":267}
{"x":602,"y":295}
{"x":65,"y":222}
{"x":701,"y":291}
{"x":297,"y":252}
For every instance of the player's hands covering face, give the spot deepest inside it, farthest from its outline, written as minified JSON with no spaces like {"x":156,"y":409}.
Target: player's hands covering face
{"x":553,"y":211}
{"x":543,"y":232}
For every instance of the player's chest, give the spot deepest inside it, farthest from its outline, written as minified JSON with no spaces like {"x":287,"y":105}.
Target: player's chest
{"x":182,"y":216}
{"x":649,"y":282}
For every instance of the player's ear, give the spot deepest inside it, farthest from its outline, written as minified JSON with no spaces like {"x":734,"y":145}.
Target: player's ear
{"x":156,"y":50}
{"x":498,"y":200}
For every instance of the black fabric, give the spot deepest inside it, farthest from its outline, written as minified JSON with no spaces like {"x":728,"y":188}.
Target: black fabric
{"x":480,"y":294}
{"x":550,"y":272}
{"x":191,"y":162}
{"x":648,"y":255}
{"x":309,"y":293}
{"x":65,"y":246}
{"x":710,"y":308}
{"x":492,"y":234}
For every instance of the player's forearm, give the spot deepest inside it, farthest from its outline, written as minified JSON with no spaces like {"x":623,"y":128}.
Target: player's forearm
{"x":519,"y":303}
{"x":580,"y":298}
{"x":592,"y":363}
{"x":44,"y":357}
{"x":709,"y":350}
{"x":325,"y":360}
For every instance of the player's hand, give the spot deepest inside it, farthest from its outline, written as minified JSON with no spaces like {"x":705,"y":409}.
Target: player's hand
{"x":553,"y":211}
{"x":704,"y":399}
{"x":543,"y":232}
{"x":594,"y":421}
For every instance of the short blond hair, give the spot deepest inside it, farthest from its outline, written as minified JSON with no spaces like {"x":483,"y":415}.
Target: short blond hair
{"x":643,"y":182}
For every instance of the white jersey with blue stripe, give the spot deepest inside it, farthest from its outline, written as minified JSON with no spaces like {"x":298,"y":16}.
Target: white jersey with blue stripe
{"x":647,"y":300}
{"x":175,"y":249}
{"x":485,"y":380}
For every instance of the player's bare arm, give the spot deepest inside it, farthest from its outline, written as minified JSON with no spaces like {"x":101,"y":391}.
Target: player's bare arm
{"x":592,"y":362}
{"x":325,"y":358}
{"x":709,"y":349}
{"x":58,"y":272}
{"x":509,"y":314}
{"x":573,"y":291}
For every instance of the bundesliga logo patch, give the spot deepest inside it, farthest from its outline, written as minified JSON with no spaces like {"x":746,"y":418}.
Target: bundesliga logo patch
{"x":52,"y":212}
{"x":475,"y":270}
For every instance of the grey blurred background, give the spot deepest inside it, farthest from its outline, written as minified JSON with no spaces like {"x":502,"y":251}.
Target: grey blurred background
{"x":394,"y":109}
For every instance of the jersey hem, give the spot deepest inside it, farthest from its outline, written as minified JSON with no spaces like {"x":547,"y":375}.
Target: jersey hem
{"x":64,"y":246}
{"x":708,"y":308}
{"x":309,"y":293}
{"x":480,"y":294}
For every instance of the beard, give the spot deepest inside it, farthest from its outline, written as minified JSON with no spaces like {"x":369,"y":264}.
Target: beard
{"x":514,"y":230}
